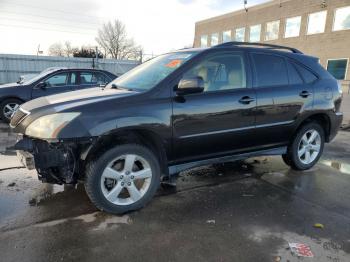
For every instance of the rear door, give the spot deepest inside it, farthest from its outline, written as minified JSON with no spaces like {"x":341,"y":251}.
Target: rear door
{"x":55,"y":84}
{"x":282,"y":95}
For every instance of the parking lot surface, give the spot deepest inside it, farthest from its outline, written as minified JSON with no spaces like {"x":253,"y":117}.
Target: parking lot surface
{"x":244,"y":211}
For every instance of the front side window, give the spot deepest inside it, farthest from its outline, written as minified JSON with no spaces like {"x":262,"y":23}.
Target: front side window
{"x":272,"y":30}
{"x":254,"y":35}
{"x":57,"y":80}
{"x":214,"y":39}
{"x":226,"y":36}
{"x":270,"y":70}
{"x":342,"y":19}
{"x":220,"y":72}
{"x":292,"y":27}
{"x":240,"y":34}
{"x":337,"y":68}
{"x":317,"y":23}
{"x":204,"y":40}
{"x":147,"y":75}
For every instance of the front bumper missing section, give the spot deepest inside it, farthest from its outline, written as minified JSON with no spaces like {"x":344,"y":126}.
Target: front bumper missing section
{"x":55,"y":162}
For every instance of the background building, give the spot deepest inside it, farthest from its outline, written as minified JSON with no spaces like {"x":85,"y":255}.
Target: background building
{"x":316,"y":27}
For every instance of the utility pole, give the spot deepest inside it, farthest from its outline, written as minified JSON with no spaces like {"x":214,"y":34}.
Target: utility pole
{"x":38,"y":51}
{"x":96,"y":53}
{"x":245,"y":2}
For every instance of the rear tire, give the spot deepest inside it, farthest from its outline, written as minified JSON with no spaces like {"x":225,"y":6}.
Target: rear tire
{"x":306,"y":147}
{"x":123,"y":179}
{"x":8,"y":107}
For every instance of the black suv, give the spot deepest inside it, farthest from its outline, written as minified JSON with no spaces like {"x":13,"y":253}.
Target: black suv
{"x":177,"y":111}
{"x":48,"y":82}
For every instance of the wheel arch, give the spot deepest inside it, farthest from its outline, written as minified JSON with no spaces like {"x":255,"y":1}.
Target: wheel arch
{"x":322,"y":119}
{"x":141,"y":136}
{"x":11,"y":97}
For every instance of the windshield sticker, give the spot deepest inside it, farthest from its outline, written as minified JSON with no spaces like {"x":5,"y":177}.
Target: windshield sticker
{"x":174,"y":63}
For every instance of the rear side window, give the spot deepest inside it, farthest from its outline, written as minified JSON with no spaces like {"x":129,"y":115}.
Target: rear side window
{"x":270,"y":70}
{"x":308,"y":76}
{"x":93,"y":78}
{"x":294,"y":76}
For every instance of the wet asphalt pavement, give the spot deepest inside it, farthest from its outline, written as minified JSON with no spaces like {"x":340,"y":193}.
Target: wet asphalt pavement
{"x":245,"y":211}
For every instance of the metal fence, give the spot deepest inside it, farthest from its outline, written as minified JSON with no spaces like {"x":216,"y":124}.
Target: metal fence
{"x":14,"y":66}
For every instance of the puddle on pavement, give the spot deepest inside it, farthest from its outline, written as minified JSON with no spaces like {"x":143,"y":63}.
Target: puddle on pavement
{"x":342,"y":167}
{"x":323,"y":249}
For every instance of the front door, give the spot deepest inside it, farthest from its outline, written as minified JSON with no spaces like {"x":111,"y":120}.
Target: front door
{"x":220,"y":120}
{"x":54,"y":84}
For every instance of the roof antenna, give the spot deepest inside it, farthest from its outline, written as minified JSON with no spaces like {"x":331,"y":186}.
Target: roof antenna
{"x":245,"y":5}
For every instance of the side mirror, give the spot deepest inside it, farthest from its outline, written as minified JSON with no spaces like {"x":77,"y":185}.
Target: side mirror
{"x":41,"y":85}
{"x":190,"y":86}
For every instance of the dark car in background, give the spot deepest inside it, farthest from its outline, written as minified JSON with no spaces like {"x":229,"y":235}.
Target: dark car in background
{"x":181,"y":110}
{"x":49,"y":82}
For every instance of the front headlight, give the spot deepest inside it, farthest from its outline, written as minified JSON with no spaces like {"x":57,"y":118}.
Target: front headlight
{"x":49,"y":126}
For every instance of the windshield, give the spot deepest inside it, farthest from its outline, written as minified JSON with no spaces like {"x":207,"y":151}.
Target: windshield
{"x":38,"y":76}
{"x":149,"y":74}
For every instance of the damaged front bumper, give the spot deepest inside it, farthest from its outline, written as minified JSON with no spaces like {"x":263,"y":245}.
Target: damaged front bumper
{"x":57,"y":162}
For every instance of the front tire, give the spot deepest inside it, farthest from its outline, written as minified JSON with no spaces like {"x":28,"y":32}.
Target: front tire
{"x":306,"y":147}
{"x":123,"y":179}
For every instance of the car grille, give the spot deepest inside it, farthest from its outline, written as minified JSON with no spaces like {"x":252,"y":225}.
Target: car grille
{"x":18,"y":117}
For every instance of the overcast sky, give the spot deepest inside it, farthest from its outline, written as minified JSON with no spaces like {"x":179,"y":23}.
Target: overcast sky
{"x":157,"y":25}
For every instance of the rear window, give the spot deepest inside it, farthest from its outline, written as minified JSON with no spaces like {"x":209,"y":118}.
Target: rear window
{"x":270,"y":70}
{"x":307,"y":75}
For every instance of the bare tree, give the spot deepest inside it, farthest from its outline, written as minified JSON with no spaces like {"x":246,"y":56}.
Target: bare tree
{"x":56,"y":49}
{"x":68,"y":49}
{"x":114,"y":41}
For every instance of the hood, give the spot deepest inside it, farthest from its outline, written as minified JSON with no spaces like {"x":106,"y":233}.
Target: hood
{"x":68,"y":100}
{"x":9,"y":85}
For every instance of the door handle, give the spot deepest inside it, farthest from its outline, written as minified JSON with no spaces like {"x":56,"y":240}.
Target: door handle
{"x":246,"y":100}
{"x":305,"y":94}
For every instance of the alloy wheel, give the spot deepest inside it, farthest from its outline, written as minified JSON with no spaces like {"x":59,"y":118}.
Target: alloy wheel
{"x":10,"y":109}
{"x":309,"y":146}
{"x":126,"y":179}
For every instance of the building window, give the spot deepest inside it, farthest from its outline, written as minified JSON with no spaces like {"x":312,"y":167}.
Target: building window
{"x":342,"y":19}
{"x":240,"y":34}
{"x":226,"y":36}
{"x":337,"y":67}
{"x":292,"y":27}
{"x":272,"y":29}
{"x":214,"y":39}
{"x":316,"y":23}
{"x":204,"y":41}
{"x":254,"y":35}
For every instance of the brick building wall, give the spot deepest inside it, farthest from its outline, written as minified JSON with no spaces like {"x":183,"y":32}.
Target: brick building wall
{"x":327,"y":45}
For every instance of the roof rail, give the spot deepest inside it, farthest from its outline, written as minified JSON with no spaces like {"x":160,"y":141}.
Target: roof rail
{"x":270,"y":46}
